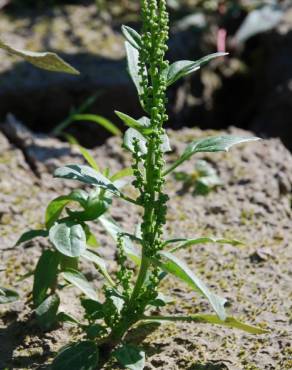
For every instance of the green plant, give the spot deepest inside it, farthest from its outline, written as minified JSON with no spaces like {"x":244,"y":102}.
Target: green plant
{"x":129,"y":298}
{"x":132,"y":297}
{"x":67,"y":224}
{"x":203,"y":179}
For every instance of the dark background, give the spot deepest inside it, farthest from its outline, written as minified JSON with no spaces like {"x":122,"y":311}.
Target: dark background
{"x":251,"y":89}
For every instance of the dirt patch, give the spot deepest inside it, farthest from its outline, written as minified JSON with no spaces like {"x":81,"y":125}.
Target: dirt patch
{"x":254,"y":206}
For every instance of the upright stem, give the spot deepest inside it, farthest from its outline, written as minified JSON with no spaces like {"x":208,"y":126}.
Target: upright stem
{"x":148,"y":168}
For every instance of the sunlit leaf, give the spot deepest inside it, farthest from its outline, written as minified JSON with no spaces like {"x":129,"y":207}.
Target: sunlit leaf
{"x":210,"y":144}
{"x":130,"y":357}
{"x":133,"y":66}
{"x":79,"y":280}
{"x":132,"y":36}
{"x":68,"y":238}
{"x":132,"y":134}
{"x":86,"y":175}
{"x":77,"y":356}
{"x":134,"y":123}
{"x":171,"y":264}
{"x":185,"y":243}
{"x":49,"y":61}
{"x":229,"y":322}
{"x":185,"y":67}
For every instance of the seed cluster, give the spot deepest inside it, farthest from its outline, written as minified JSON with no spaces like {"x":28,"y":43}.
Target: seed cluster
{"x":152,"y":68}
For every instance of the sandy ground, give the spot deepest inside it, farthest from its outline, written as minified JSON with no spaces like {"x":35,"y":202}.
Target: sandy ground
{"x":253,"y":205}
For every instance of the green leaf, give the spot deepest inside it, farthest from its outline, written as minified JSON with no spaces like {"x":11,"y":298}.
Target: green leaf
{"x":125,"y":172}
{"x":85,"y":153}
{"x":204,"y":240}
{"x":132,"y":36}
{"x":229,"y":322}
{"x":90,"y":237}
{"x":100,"y":263}
{"x":93,"y":309}
{"x":86,"y":175}
{"x":210,"y":144}
{"x":102,"y":121}
{"x":46,"y":312}
{"x":131,"y":357}
{"x":178,"y":268}
{"x":49,"y":61}
{"x":8,"y":295}
{"x":112,"y":227}
{"x":45,"y":275}
{"x":89,"y":158}
{"x":134,"y":123}
{"x":132,"y":134}
{"x":133,"y":66}
{"x":68,"y":238}
{"x":77,"y":356}
{"x":31,"y":234}
{"x":94,"y":330}
{"x":64,"y":317}
{"x":118,"y":302}
{"x":57,"y":205}
{"x":185,"y":67}
{"x":95,"y":206}
{"x":161,"y":300}
{"x":79,"y":280}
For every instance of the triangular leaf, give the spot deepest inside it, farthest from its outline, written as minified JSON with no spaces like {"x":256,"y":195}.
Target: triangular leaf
{"x":178,"y":268}
{"x":68,"y":238}
{"x":79,"y":280}
{"x":77,"y":356}
{"x":49,"y":61}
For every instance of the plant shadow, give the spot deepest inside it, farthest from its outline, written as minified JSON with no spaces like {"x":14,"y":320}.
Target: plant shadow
{"x":17,"y":335}
{"x":208,"y":366}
